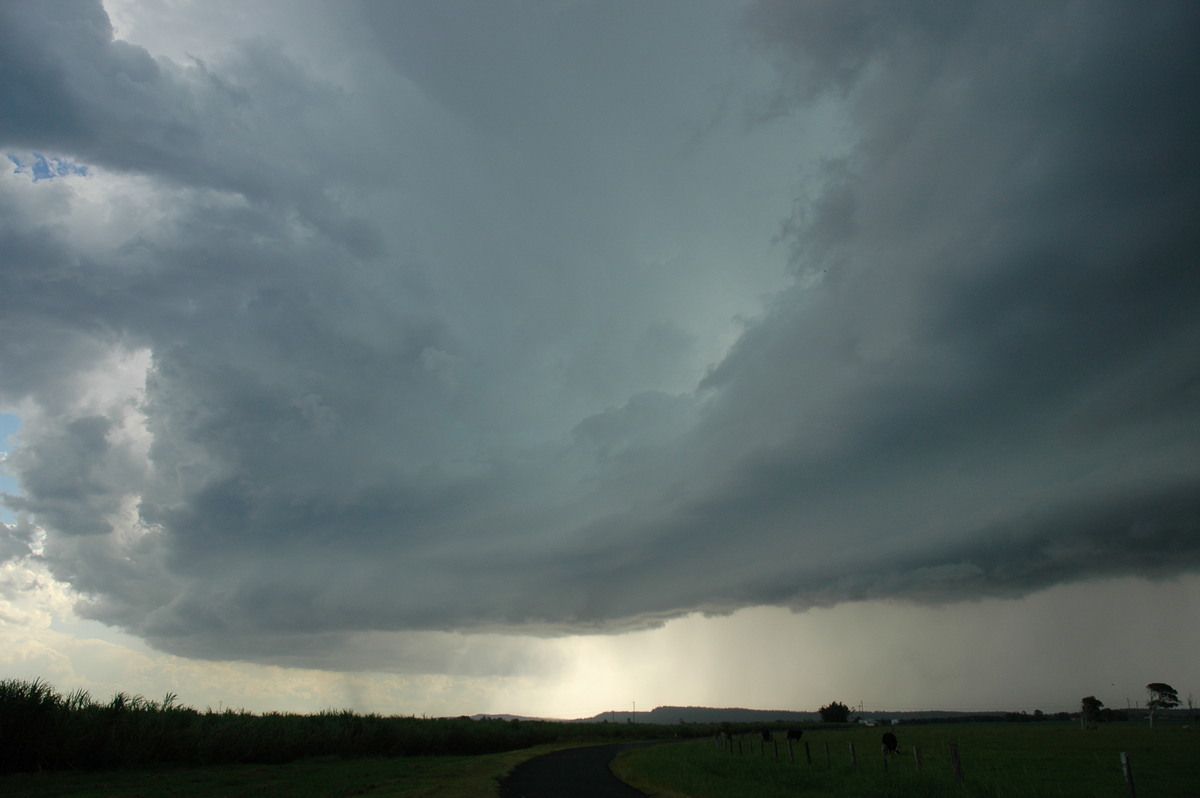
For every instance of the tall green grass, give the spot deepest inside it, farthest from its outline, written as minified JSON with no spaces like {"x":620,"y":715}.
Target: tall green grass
{"x":41,"y":729}
{"x":1044,"y":760}
{"x":323,"y":777}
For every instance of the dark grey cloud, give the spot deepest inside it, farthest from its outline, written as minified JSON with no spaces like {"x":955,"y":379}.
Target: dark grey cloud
{"x":16,"y":540}
{"x":71,"y":86}
{"x":63,"y":472}
{"x":457,"y":380}
{"x":999,"y":280}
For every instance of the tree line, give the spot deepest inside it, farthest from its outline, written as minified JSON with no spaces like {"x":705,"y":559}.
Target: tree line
{"x":1160,"y":696}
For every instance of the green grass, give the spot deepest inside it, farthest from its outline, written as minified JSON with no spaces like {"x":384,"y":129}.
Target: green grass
{"x":1030,"y":760}
{"x":329,"y":777}
{"x":999,"y":760}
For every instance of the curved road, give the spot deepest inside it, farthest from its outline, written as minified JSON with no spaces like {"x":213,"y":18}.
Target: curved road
{"x":571,"y":773}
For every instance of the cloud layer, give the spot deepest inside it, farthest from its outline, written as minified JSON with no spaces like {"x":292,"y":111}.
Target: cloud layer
{"x":470,"y":333}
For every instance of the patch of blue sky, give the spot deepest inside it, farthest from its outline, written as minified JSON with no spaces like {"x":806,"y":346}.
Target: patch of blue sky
{"x":40,"y":167}
{"x":9,"y":424}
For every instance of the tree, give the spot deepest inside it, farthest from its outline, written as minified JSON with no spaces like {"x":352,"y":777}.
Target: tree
{"x":1089,"y":711}
{"x":835,"y":712}
{"x":1162,"y":696}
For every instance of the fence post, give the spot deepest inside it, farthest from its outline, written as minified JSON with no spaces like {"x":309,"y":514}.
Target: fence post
{"x":917,"y":756}
{"x":828,"y":761}
{"x":958,"y":771}
{"x":885,"y":758}
{"x":853,"y":757}
{"x":807,"y":753}
{"x":775,"y":743}
{"x":1127,"y":769}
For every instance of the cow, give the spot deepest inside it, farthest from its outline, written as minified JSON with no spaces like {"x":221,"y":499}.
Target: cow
{"x":891,"y":746}
{"x":795,"y":734}
{"x":767,"y":735}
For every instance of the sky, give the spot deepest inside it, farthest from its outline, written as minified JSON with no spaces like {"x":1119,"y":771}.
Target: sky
{"x":554,"y":358}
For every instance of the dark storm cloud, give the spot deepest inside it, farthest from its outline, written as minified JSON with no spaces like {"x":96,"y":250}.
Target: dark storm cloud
{"x":439,"y":385}
{"x":1004,"y":320}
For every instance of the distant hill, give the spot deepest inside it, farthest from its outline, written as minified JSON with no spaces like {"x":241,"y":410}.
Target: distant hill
{"x":705,"y":715}
{"x":666,"y":715}
{"x":768,"y":717}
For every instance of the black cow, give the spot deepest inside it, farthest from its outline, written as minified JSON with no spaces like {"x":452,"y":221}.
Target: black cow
{"x":795,"y":734}
{"x":767,"y":735}
{"x":891,"y":746}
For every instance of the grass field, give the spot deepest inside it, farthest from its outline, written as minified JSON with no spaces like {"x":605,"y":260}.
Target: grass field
{"x":999,"y":760}
{"x":1030,"y":760}
{"x":55,"y":745}
{"x":329,"y":777}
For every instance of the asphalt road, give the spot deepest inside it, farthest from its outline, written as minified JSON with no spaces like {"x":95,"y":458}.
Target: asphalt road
{"x":573,"y":773}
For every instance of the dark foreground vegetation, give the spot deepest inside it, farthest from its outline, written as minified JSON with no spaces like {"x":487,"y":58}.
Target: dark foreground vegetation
{"x":41,"y":729}
{"x":54,"y":745}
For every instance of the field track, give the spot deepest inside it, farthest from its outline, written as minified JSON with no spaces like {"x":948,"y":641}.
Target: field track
{"x":578,"y":772}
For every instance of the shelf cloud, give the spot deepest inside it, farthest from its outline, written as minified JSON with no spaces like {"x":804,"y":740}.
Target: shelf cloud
{"x":555,"y":319}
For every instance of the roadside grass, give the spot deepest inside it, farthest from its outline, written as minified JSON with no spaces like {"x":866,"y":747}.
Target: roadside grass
{"x":53,"y":744}
{"x":326,"y":777}
{"x":43,"y":730}
{"x":1042,"y":760}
